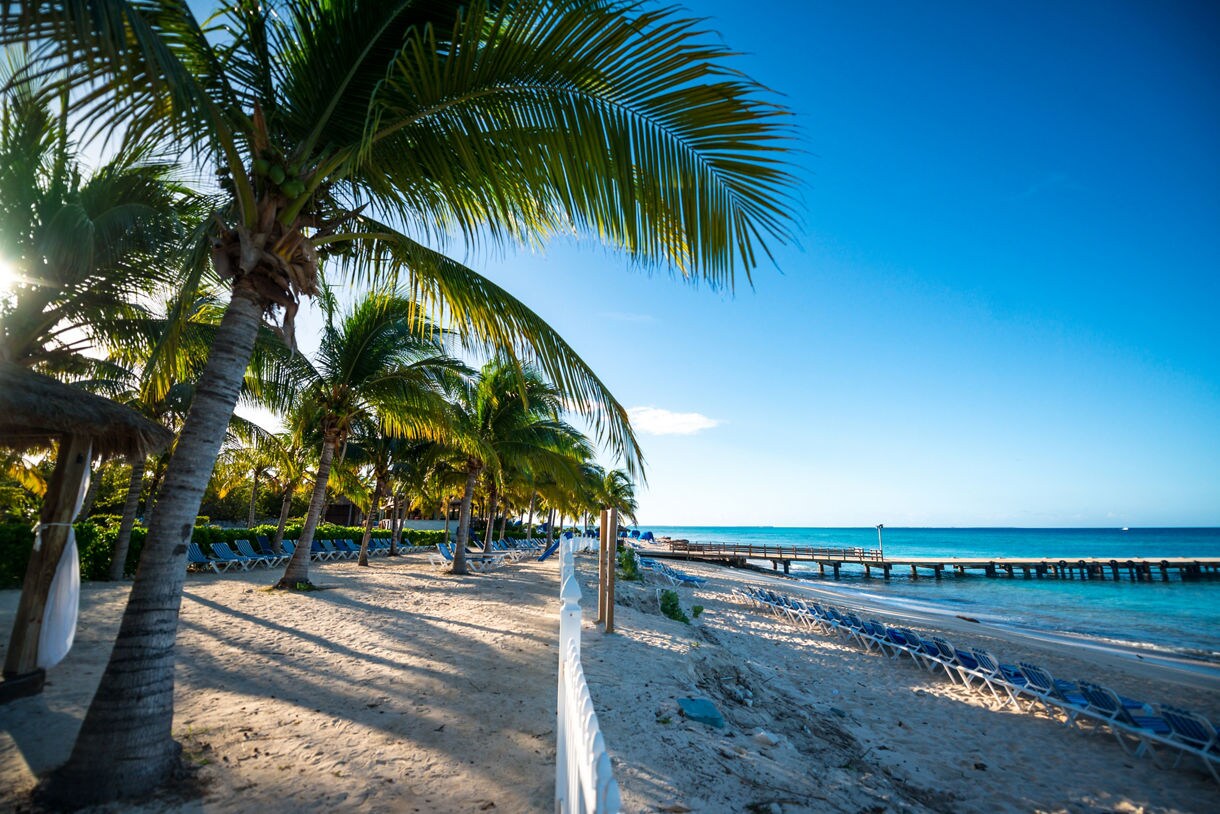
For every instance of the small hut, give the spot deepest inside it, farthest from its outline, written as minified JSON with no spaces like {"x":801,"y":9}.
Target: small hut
{"x":35,"y":411}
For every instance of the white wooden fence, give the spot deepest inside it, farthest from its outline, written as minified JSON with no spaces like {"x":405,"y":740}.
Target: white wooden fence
{"x":584,"y":781}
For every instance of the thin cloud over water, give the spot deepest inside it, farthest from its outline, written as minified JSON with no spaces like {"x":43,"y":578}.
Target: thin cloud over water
{"x":659,"y":421}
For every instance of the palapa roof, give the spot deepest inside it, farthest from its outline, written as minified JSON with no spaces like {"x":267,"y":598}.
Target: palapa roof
{"x":36,"y":410}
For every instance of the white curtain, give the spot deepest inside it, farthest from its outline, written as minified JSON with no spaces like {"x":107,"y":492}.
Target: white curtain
{"x":63,"y":603}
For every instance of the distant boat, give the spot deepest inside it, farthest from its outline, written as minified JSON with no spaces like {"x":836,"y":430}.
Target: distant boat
{"x":1126,"y":529}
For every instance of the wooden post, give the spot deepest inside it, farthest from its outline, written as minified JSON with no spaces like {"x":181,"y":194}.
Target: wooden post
{"x":611,"y":563}
{"x":71,"y":465}
{"x":601,"y":566}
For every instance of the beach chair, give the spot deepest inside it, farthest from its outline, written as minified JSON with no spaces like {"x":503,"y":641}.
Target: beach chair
{"x":223,"y":552}
{"x":246,"y":549}
{"x":1194,"y":735}
{"x":948,"y":657}
{"x":319,"y":554}
{"x":925,"y":654}
{"x":263,"y":545}
{"x":1055,"y":695}
{"x":1135,"y":731}
{"x":350,"y":549}
{"x":999,"y":677}
{"x":196,"y":560}
{"x":336,"y":553}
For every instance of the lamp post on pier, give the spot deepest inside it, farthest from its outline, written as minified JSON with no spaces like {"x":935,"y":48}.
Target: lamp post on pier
{"x":880,"y":544}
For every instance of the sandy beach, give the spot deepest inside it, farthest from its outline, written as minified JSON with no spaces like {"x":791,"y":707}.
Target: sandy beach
{"x":398,"y":689}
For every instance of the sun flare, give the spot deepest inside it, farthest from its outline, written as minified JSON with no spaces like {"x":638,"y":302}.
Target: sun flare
{"x":8,"y":275}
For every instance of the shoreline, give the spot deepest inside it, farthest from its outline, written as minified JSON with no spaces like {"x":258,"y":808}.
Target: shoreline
{"x":903,"y":600}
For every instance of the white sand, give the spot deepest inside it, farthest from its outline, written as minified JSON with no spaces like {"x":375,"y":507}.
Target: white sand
{"x":403,"y":690}
{"x":900,"y":740}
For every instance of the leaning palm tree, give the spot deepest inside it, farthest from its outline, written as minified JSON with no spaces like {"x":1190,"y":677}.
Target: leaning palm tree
{"x":361,"y":128}
{"x":372,"y":368}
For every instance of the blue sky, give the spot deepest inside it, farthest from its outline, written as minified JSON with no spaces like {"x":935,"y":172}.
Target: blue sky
{"x":1002,"y":310}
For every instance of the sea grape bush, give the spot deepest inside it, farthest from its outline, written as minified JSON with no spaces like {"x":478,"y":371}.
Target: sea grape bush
{"x":671,"y":607}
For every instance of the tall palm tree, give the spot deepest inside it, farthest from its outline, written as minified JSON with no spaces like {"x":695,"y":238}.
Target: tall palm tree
{"x":509,"y":415}
{"x":340,"y":128}
{"x":372,"y":369}
{"x":372,"y":449}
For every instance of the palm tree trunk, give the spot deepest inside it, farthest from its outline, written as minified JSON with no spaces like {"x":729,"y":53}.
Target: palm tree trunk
{"x":550,"y":527}
{"x":397,"y":523}
{"x":529,"y":527}
{"x":296,"y":575}
{"x":253,"y":501}
{"x":447,"y":513}
{"x":503,"y":525}
{"x":125,"y":747}
{"x":463,"y":530}
{"x":119,"y":562}
{"x":154,"y":489}
{"x":493,"y":500}
{"x":277,"y":544}
{"x":368,"y":524}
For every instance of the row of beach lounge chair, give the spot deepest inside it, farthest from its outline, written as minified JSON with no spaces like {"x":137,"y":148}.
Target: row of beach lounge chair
{"x":502,"y":552}
{"x":1140,"y":728}
{"x":260,"y":553}
{"x":666,"y":572}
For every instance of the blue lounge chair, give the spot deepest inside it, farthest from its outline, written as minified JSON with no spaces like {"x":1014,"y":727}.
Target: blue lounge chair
{"x":1141,"y":725}
{"x":336,"y":553}
{"x":223,"y":552}
{"x":245,"y":549}
{"x":197,"y":560}
{"x":350,"y":549}
{"x":1195,"y":735}
{"x":1043,"y":688}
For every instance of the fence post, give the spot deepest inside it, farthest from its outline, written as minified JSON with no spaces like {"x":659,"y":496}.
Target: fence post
{"x":569,"y":636}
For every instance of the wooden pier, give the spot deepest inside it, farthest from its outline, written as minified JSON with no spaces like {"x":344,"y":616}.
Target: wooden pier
{"x":1135,"y":569}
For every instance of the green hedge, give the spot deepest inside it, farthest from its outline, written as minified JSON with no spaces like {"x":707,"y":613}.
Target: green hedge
{"x":95,"y":542}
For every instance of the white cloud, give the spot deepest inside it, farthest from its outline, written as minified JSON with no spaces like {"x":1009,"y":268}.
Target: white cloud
{"x":657,"y":421}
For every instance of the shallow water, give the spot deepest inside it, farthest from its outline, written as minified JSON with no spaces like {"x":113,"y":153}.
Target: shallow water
{"x":1180,"y":616}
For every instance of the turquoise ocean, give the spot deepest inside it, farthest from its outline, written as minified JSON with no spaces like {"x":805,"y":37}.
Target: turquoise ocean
{"x":1177,"y":616}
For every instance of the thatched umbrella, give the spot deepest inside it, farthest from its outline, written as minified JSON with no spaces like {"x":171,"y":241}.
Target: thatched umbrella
{"x":35,"y":411}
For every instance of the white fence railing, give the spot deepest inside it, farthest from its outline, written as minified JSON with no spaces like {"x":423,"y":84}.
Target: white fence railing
{"x":584,"y":781}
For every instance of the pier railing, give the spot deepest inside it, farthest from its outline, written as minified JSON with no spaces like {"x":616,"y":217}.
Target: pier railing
{"x":775,"y":552}
{"x":584,"y":780}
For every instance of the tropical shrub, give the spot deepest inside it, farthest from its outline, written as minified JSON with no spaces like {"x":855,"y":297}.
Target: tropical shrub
{"x":671,"y":607}
{"x":16,"y":541}
{"x":629,"y":565}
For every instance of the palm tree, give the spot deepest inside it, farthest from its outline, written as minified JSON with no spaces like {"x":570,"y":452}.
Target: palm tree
{"x":372,"y":449}
{"x":328,"y":121}
{"x":84,"y":249}
{"x":509,"y":415}
{"x":616,"y":491}
{"x":373,"y":368}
